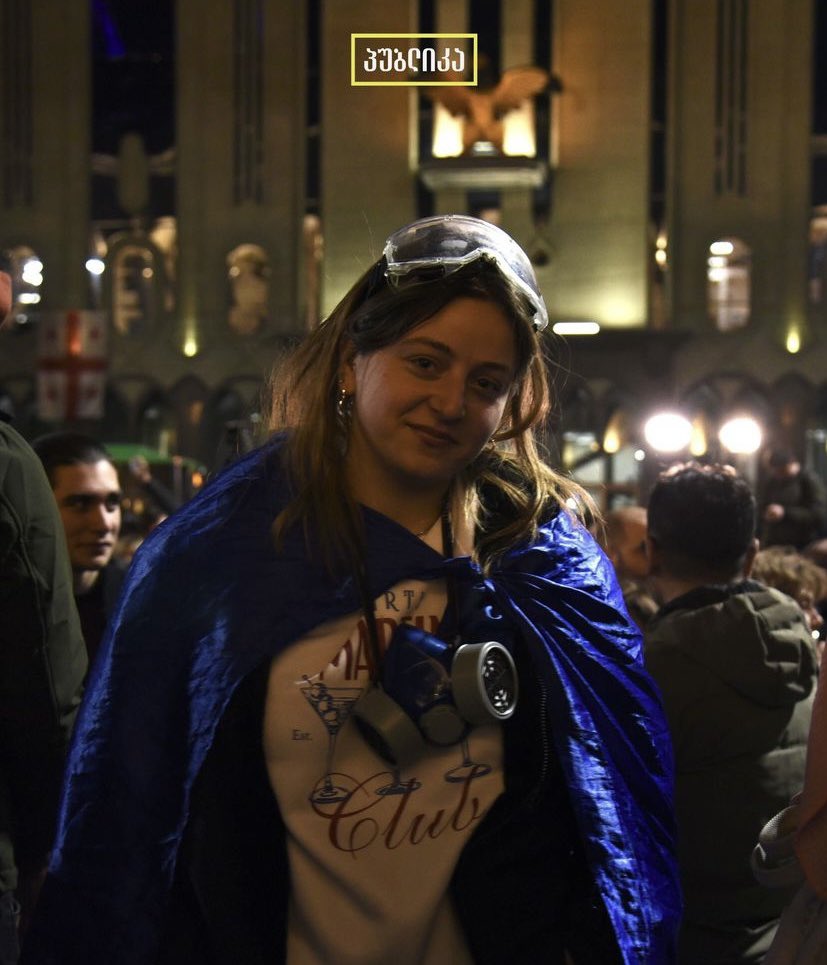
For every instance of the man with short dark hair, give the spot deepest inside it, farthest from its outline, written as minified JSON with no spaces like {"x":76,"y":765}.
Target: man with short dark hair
{"x":737,"y":670}
{"x":88,"y":495}
{"x":42,"y":666}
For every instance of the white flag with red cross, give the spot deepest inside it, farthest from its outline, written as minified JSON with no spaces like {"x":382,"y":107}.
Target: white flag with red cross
{"x":71,"y":374}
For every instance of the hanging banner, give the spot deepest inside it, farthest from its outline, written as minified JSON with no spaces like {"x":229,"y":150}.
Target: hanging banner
{"x":71,"y":369}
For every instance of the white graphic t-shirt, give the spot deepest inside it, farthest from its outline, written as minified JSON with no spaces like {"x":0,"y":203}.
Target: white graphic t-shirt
{"x":372,"y":848}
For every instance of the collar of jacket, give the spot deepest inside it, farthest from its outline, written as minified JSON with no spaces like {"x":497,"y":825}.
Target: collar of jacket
{"x":708,"y":595}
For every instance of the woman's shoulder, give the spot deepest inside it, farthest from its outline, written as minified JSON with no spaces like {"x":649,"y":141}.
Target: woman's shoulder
{"x":243,"y":498}
{"x":564,"y":553}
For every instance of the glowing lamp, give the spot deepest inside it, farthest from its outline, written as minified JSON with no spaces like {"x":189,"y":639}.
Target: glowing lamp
{"x":668,"y":432}
{"x":741,"y":435}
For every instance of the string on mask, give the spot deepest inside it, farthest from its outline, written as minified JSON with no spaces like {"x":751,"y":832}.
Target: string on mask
{"x":426,"y":691}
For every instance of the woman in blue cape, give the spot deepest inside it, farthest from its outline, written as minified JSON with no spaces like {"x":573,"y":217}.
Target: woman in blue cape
{"x":373,"y":695}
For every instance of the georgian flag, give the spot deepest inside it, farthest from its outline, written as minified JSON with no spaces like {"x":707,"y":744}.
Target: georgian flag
{"x":71,"y":366}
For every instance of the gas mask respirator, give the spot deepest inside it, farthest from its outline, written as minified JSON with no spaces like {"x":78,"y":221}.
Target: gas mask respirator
{"x":433,"y":692}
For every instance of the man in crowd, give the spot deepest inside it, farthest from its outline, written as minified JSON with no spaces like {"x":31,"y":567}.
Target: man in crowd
{"x":793,"y":503}
{"x":737,"y":670}
{"x":88,"y":495}
{"x":42,"y":666}
{"x":624,"y":542}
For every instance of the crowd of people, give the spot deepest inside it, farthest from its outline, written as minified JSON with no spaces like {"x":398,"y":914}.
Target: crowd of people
{"x":377,"y":694}
{"x":732,"y":636}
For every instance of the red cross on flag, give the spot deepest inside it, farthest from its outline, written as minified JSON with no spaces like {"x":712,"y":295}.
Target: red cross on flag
{"x":71,"y":374}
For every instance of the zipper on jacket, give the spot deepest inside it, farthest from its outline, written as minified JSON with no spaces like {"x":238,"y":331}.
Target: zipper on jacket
{"x":535,"y":793}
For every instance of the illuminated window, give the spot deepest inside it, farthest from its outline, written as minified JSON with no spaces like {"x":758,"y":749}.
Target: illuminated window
{"x":133,"y":286}
{"x":728,"y":282}
{"x":818,"y":255}
{"x":27,"y":279}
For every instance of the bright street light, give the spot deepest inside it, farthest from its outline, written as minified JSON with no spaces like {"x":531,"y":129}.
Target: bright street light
{"x":741,"y":435}
{"x":668,"y":432}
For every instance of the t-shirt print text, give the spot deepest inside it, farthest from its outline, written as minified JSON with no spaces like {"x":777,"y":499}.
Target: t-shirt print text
{"x":366,"y":806}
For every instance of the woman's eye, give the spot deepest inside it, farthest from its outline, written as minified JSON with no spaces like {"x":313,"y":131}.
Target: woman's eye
{"x":489,"y":387}
{"x":423,"y":363}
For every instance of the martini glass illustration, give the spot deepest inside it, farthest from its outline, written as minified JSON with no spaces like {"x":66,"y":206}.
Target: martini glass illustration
{"x":333,"y":706}
{"x":499,"y":681}
{"x":468,"y":770}
{"x":398,"y":786}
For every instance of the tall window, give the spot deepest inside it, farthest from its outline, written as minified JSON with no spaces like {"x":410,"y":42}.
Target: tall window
{"x":818,"y":255}
{"x":728,"y":283}
{"x":248,"y":67}
{"x":731,"y":81}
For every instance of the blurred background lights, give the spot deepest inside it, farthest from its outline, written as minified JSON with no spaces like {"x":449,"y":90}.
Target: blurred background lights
{"x":95,"y":266}
{"x":661,"y":243}
{"x":33,"y":272}
{"x":697,"y":439}
{"x":721,"y":248}
{"x":575,"y":328}
{"x":793,"y":342}
{"x":741,"y":435}
{"x":518,"y":132}
{"x":447,"y":134}
{"x":615,"y":433}
{"x":611,"y":440}
{"x":668,"y":432}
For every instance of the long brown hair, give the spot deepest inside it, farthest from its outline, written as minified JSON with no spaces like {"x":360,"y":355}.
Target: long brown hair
{"x":372,"y":315}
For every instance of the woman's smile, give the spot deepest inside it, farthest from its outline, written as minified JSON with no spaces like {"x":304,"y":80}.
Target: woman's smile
{"x":434,"y":436}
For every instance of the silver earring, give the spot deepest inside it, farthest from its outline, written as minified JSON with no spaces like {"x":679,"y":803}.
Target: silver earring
{"x":341,"y":401}
{"x":344,"y":407}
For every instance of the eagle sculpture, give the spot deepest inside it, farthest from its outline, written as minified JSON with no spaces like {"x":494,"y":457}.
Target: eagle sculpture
{"x":483,"y":110}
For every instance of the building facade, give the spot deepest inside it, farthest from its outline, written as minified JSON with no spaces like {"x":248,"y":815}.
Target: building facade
{"x":206,"y":192}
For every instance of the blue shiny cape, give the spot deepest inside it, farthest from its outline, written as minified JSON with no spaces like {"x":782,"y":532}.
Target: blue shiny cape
{"x":208,"y":599}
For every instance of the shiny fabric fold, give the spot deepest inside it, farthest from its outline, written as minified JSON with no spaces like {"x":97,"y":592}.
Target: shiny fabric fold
{"x":208,"y":599}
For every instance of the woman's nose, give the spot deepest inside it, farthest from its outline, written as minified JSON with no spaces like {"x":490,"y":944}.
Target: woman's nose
{"x":448,"y":398}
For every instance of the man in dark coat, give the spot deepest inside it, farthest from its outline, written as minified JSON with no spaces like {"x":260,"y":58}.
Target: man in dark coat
{"x":42,"y":666}
{"x":793,"y":504}
{"x":737,"y":670}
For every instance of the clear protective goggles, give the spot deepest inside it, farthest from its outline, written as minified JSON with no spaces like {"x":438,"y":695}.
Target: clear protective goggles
{"x":434,"y":247}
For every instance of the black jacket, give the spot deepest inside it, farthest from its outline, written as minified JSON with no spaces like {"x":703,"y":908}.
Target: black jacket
{"x":737,"y":670}
{"x":42,"y":659}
